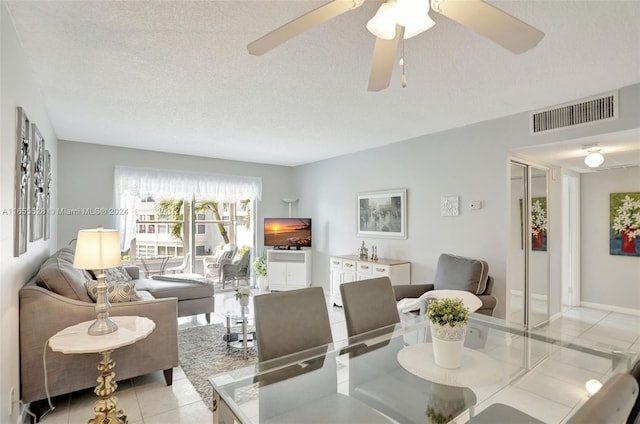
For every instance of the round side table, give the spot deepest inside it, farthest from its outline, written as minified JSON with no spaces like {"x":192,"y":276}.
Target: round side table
{"x":76,"y":340}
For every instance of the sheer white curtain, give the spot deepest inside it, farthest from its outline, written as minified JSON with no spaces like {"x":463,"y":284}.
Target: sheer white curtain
{"x":132,"y":183}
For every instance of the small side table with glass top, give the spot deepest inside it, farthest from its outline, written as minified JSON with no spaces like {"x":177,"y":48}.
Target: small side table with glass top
{"x":242,"y":339}
{"x":76,"y":340}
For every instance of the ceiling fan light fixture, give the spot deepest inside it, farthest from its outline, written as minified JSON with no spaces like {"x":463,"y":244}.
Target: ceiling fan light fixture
{"x":383,"y":23}
{"x":413,"y":15}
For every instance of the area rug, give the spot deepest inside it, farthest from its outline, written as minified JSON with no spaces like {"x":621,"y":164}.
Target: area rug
{"x":202,"y":353}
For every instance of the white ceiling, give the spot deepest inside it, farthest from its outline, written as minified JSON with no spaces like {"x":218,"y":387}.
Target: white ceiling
{"x":175,"y":76}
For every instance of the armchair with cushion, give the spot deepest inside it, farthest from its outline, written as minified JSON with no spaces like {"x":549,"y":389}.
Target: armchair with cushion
{"x":235,"y":270}
{"x":455,"y":273}
{"x":211,"y":264}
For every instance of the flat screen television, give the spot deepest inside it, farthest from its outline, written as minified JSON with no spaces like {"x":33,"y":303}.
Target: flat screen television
{"x":287,"y":233}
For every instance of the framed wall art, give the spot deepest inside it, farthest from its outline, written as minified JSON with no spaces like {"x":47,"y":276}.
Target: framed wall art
{"x":47,"y":194}
{"x":37,"y":186}
{"x":624,"y":224}
{"x":539,"y":223}
{"x":382,"y":214}
{"x":22,"y":180}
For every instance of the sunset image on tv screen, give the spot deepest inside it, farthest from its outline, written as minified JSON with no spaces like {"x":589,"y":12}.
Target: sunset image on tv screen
{"x":287,"y":232}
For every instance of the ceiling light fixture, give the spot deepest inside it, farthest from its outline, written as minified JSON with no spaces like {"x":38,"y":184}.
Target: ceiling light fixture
{"x":594,"y":159}
{"x":413,"y":15}
{"x":383,"y":23}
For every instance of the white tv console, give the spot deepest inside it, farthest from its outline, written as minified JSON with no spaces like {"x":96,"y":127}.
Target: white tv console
{"x":288,"y":269}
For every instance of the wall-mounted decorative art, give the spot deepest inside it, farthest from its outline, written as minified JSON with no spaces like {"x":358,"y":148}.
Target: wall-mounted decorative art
{"x":449,"y":206}
{"x":539,"y":223}
{"x":382,"y":214}
{"x":37,"y":195}
{"x":23,"y":170}
{"x":47,"y":194}
{"x":624,"y":224}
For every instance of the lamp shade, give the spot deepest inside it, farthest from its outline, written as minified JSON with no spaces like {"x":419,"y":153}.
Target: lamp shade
{"x":413,"y":15}
{"x":97,"y":249}
{"x":383,"y":23}
{"x":594,"y":159}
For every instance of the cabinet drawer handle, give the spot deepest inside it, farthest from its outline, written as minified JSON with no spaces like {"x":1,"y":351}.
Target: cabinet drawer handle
{"x":336,"y":263}
{"x":364,"y":266}
{"x":348,"y":265}
{"x":380,"y":269}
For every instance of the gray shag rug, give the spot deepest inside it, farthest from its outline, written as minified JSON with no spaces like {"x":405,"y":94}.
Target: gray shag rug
{"x":203,"y":353}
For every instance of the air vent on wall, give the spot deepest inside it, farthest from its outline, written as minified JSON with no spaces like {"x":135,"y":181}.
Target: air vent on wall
{"x":569,"y":115}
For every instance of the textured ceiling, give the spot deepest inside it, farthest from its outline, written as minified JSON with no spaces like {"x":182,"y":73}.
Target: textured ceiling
{"x":175,"y":76}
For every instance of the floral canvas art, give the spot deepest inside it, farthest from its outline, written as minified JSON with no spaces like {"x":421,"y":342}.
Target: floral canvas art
{"x":539,"y":223}
{"x":624,"y":224}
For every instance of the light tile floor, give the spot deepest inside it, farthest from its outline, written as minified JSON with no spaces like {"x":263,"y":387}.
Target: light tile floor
{"x":550,"y":392}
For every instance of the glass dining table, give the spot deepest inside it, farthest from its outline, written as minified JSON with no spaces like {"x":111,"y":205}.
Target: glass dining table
{"x":507,"y":374}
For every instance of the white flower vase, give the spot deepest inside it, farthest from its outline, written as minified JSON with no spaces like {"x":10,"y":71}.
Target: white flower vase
{"x":448,"y":344}
{"x":262,"y":282}
{"x":244,"y":300}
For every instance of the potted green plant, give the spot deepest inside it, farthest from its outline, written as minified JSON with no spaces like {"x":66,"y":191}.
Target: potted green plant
{"x":448,"y":320}
{"x":260,"y":268}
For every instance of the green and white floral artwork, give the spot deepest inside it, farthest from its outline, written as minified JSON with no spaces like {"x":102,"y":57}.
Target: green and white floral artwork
{"x":624,"y":224}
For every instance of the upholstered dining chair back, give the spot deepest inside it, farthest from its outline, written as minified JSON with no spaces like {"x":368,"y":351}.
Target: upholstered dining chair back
{"x":368,"y":305}
{"x":291,"y":321}
{"x":634,"y":416}
{"x":611,"y":404}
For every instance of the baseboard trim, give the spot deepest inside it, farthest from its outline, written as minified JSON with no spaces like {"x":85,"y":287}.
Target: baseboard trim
{"x":611,"y":308}
{"x":555,"y":316}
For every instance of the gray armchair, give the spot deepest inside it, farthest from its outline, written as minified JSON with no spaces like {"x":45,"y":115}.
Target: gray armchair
{"x":456,"y":273}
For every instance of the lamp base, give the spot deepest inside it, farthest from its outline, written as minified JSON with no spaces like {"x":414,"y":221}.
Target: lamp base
{"x":102,"y":326}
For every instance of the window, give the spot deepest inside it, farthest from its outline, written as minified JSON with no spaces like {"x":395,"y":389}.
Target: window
{"x":172,"y":232}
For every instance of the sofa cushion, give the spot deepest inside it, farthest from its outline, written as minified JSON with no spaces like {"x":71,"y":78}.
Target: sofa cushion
{"x":120,"y":291}
{"x":460,"y":273}
{"x":58,"y":275}
{"x":183,"y":290}
{"x":113,"y":275}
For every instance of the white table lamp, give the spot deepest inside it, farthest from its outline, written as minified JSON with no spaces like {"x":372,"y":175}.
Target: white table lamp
{"x":98,"y":249}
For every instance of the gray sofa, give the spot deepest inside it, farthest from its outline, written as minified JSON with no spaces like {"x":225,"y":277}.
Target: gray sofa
{"x":56,"y":298}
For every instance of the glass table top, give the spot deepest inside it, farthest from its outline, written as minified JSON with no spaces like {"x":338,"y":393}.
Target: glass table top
{"x":502,"y":363}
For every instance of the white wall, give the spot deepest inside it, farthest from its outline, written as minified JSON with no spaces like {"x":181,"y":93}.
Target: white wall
{"x":470,"y":162}
{"x":606,"y":279}
{"x":86,"y":178}
{"x":17,"y":88}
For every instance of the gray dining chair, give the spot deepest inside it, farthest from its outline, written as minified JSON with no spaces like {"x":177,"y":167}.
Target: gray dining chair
{"x":613,"y":403}
{"x":291,"y":321}
{"x":369,"y":305}
{"x":375,"y":375}
{"x":634,"y":416}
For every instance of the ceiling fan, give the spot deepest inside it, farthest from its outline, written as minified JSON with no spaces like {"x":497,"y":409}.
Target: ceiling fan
{"x":397,"y":19}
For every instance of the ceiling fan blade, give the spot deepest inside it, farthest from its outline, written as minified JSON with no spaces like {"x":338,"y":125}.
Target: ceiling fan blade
{"x":492,"y":23}
{"x":384,"y":55}
{"x":303,"y":23}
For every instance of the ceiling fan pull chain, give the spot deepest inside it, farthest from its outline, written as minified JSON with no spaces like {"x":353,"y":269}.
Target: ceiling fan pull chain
{"x":403,"y":80}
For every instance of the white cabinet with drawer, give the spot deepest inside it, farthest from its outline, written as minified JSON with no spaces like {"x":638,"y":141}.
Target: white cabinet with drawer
{"x":341,"y":271}
{"x":349,"y":268}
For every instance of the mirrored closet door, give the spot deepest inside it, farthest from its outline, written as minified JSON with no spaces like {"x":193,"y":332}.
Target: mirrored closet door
{"x":528,"y":254}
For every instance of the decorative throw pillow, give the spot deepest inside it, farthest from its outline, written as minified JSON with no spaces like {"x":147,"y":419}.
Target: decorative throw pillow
{"x":114,"y":275}
{"x":120,"y":291}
